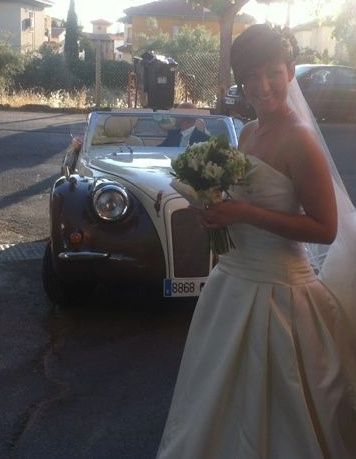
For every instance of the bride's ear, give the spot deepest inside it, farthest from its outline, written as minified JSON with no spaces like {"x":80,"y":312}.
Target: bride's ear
{"x":291,"y":70}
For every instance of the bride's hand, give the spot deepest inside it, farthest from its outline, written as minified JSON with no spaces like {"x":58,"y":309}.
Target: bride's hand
{"x":223,"y":214}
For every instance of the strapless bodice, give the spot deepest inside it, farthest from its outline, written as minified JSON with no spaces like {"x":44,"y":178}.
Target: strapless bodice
{"x":268,"y":256}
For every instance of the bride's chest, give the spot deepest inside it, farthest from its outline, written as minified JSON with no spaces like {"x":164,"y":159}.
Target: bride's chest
{"x":267,"y":187}
{"x":270,"y":150}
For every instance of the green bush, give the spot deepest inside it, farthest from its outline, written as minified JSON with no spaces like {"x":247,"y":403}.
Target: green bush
{"x":11,"y":64}
{"x":45,"y":70}
{"x":310,"y":56}
{"x":48,"y":71}
{"x":84,"y":74}
{"x":115,"y":74}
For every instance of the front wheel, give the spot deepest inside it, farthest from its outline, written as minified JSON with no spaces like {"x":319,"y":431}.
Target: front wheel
{"x":59,"y":292}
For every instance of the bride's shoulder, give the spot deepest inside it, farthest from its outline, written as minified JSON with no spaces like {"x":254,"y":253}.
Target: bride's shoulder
{"x":302,"y":138}
{"x":301,"y":130}
{"x":303,"y":146}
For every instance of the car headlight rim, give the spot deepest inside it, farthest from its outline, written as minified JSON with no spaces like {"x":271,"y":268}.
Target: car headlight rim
{"x":111,"y":189}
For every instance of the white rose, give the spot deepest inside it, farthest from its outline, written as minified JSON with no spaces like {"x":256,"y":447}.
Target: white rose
{"x":194,"y":163}
{"x":213,"y":171}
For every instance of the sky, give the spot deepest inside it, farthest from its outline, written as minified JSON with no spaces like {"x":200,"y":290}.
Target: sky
{"x":112,"y":10}
{"x":87,"y":11}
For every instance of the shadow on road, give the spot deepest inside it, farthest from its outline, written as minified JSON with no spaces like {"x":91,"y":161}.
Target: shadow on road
{"x":37,"y":188}
{"x":23,"y":150}
{"x":31,"y":147}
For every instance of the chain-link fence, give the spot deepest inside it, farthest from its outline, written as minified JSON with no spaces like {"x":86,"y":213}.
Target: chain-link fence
{"x":197,"y":79}
{"x":120,"y":84}
{"x":100,"y":81}
{"x":111,"y":80}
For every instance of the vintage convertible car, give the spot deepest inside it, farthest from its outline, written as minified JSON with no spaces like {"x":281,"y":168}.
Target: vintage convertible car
{"x":114,"y":216}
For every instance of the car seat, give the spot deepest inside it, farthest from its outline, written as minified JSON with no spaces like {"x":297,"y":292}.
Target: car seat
{"x":119,"y":129}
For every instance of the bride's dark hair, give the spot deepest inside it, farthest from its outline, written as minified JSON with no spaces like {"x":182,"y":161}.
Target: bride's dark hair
{"x":259,"y":44}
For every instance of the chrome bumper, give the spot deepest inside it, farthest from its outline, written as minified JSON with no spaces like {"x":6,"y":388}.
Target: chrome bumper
{"x":78,"y":256}
{"x":87,"y":255}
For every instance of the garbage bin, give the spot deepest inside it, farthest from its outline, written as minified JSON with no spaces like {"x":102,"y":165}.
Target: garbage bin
{"x":140,"y":66}
{"x":156,"y":79}
{"x":161,"y":72}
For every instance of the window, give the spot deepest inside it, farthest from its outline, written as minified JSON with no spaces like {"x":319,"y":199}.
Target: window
{"x":27,"y":24}
{"x":346,"y":77}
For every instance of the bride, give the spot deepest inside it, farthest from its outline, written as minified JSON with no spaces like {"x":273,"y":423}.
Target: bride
{"x":268,"y":367}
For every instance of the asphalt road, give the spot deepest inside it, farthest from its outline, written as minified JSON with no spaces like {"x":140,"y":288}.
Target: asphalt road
{"x":30,"y":146}
{"x":88,"y":383}
{"x":91,"y":382}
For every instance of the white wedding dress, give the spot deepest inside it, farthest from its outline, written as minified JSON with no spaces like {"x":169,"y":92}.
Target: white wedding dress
{"x":265,"y":370}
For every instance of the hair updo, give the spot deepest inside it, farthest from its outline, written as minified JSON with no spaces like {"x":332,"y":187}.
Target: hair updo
{"x":259,"y":44}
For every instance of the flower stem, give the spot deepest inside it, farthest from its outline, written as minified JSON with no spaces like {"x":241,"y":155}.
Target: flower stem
{"x":220,"y":241}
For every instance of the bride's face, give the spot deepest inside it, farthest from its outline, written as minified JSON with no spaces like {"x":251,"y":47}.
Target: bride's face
{"x":266,"y":87}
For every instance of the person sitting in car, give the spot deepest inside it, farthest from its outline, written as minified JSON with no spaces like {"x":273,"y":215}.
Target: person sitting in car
{"x":188,"y":131}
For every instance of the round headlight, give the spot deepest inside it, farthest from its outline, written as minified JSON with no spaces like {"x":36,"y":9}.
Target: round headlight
{"x":111,"y":202}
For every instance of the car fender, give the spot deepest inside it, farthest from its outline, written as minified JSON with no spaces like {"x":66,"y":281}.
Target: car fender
{"x":135,"y":237}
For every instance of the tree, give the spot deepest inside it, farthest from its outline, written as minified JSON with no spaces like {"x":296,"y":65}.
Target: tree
{"x":226,"y":11}
{"x":87,"y":46}
{"x":345,"y":29}
{"x":57,"y":22}
{"x":310,"y":56}
{"x":71,"y":47}
{"x":11,"y":64}
{"x":187,"y":40}
{"x":153,"y":39}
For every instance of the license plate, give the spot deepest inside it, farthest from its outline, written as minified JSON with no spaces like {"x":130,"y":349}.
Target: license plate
{"x":229,"y":101}
{"x":182,"y":287}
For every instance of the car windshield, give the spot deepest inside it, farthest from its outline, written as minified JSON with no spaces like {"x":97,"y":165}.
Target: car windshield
{"x":147,"y":131}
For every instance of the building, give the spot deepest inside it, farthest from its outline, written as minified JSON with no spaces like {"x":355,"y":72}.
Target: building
{"x":118,"y":43}
{"x":170,"y":16}
{"x":57,"y":38}
{"x":317,"y":37}
{"x":25,"y":24}
{"x":109,"y":42}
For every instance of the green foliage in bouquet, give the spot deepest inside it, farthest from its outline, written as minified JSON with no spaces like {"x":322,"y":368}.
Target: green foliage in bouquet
{"x":203,"y":172}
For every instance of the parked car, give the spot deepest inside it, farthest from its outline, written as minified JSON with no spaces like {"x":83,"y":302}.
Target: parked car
{"x":235,"y":104}
{"x":114,"y":217}
{"x":330,"y":91}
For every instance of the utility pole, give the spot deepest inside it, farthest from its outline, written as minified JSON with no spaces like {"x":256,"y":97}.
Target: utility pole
{"x":288,"y":12}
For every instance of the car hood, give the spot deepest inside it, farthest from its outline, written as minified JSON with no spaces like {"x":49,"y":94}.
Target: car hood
{"x":149,"y":172}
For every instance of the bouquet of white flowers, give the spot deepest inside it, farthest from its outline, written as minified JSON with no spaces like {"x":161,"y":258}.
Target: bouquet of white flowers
{"x":203,"y":173}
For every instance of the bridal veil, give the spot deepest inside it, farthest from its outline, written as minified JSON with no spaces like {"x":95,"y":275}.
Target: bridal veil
{"x":336,"y":264}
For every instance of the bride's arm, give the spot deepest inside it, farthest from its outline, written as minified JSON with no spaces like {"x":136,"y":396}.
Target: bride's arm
{"x":311,"y":177}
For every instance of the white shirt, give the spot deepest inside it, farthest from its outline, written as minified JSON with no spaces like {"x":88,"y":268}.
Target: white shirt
{"x":184,"y":142}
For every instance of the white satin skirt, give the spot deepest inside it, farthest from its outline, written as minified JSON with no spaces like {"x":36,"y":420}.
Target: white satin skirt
{"x":265,"y":370}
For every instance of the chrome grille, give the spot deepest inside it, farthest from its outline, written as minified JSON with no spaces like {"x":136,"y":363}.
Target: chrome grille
{"x":190,"y":245}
